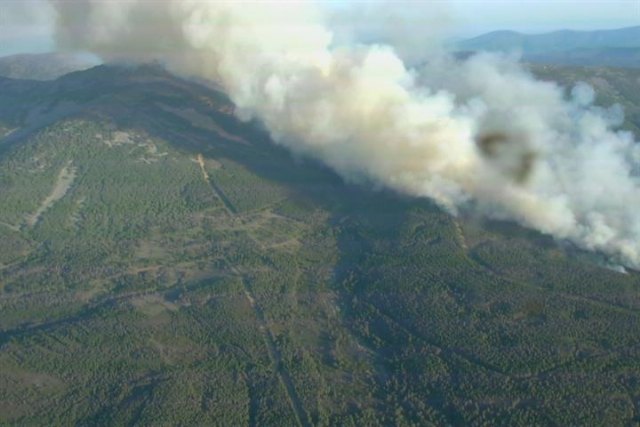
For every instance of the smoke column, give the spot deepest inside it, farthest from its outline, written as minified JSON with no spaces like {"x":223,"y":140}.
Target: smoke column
{"x":480,"y":132}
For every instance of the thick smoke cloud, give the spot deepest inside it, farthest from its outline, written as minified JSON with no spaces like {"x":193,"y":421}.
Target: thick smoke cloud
{"x":480,"y":132}
{"x":415,"y":30}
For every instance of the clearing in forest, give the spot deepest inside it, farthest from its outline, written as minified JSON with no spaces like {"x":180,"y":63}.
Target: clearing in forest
{"x":63,"y":183}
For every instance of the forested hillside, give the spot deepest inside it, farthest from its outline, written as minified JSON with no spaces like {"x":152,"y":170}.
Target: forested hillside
{"x":162,"y":263}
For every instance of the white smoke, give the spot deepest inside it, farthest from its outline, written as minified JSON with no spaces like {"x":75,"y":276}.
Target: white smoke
{"x":480,"y":131}
{"x":415,"y":30}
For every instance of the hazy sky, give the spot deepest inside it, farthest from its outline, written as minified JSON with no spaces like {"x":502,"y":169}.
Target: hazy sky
{"x":25,"y":24}
{"x":476,"y":16}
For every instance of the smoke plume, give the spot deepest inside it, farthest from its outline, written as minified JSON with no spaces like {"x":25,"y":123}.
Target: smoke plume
{"x":480,"y":132}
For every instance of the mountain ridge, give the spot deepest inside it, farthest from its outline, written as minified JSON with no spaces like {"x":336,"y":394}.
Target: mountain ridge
{"x":618,"y":47}
{"x":505,"y":40}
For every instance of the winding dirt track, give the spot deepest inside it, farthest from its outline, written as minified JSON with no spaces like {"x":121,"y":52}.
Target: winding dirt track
{"x":267,"y":335}
{"x":217,"y":192}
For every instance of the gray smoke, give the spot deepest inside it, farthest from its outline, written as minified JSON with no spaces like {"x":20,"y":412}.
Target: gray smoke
{"x":480,"y":131}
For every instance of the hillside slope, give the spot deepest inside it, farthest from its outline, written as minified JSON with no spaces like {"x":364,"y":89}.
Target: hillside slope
{"x":614,"y":48}
{"x":612,"y":86}
{"x":162,"y":263}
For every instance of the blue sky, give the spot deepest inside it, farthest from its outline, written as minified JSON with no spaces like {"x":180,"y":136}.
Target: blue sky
{"x":25,"y":25}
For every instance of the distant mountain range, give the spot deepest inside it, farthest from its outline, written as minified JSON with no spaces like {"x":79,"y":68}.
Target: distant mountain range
{"x":613,"y":48}
{"x":618,"y":48}
{"x":44,"y":66}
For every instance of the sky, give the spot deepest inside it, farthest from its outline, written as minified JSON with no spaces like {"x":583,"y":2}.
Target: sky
{"x":25,"y":25}
{"x":475,"y":17}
